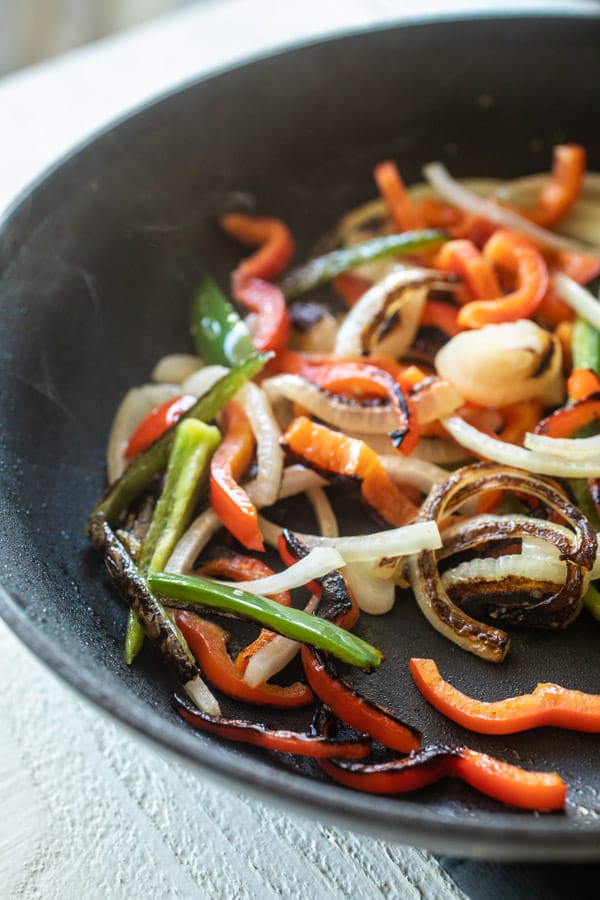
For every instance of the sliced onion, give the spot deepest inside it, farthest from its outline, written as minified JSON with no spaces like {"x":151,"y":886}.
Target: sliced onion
{"x":314,"y":328}
{"x":578,"y":549}
{"x":176,"y":367}
{"x":411,"y":470}
{"x":374,"y":595}
{"x":362,"y":548}
{"x":269,"y":455}
{"x":323,"y":510}
{"x":135,"y":406}
{"x":274,"y":656}
{"x":484,"y":445}
{"x":504,"y":363}
{"x":387,"y":316}
{"x":441,"y":452}
{"x":579,"y":299}
{"x":438,"y":177}
{"x":315,"y":564}
{"x":583,"y":449}
{"x":435,"y":399}
{"x":202,"y":380}
{"x":199,"y":693}
{"x":296,"y":479}
{"x":511,"y":572}
{"x":345,"y":414}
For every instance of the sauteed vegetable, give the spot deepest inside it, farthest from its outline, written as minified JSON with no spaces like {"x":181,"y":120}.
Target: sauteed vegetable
{"x":439,"y":362}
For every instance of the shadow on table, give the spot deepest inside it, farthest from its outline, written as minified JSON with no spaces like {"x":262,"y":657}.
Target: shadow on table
{"x":523,"y":881}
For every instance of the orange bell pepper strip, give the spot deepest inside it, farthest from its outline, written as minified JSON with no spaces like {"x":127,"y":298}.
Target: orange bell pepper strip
{"x":561,"y":190}
{"x":548,"y":705}
{"x":158,"y":420}
{"x":283,"y":741}
{"x":350,"y":287}
{"x":581,"y":267}
{"x":513,"y":252}
{"x":581,"y":383}
{"x":540,"y":791}
{"x":237,"y":567}
{"x":208,"y":643}
{"x":553,"y":310}
{"x":519,"y":418}
{"x":354,"y":709}
{"x":464,"y":258}
{"x":564,"y":332}
{"x":229,"y":461}
{"x":271,"y":326}
{"x":335,"y":454}
{"x":564,"y":422}
{"x":403,"y":212}
{"x":276,"y":245}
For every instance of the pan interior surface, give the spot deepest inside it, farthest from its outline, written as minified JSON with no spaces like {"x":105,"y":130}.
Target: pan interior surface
{"x":97,"y":265}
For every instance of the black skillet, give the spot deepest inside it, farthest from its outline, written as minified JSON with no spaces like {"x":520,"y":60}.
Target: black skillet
{"x":97,"y":262}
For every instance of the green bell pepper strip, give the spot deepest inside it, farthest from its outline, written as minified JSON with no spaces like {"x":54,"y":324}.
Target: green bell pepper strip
{"x":291,"y":623}
{"x":140,"y":472}
{"x":317,"y":271}
{"x":220,"y":335}
{"x":585,"y":346}
{"x":192,"y":449}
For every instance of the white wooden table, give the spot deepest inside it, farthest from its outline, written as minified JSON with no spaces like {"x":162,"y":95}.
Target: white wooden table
{"x":86,"y":811}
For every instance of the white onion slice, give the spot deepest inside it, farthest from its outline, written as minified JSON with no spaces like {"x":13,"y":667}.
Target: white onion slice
{"x":579,"y":299}
{"x":438,"y":177}
{"x":410,"y":470}
{"x":324,"y":513}
{"x":175,"y":367}
{"x":374,"y":595}
{"x":135,"y":406}
{"x":331,"y":408}
{"x":364,"y":547}
{"x":201,"y":696}
{"x":409,"y":288}
{"x":315,"y":564}
{"x":510,"y":455}
{"x":440,"y":452}
{"x":203,"y":380}
{"x":269,"y":455}
{"x":532,"y":568}
{"x":275,"y":655}
{"x":581,"y":449}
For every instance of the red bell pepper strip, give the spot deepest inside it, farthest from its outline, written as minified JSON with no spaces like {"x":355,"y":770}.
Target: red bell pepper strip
{"x":230,"y":460}
{"x":208,"y":643}
{"x":540,"y":791}
{"x":402,"y":210}
{"x":237,"y":567}
{"x":158,"y":420}
{"x":549,"y":704}
{"x":564,"y":422}
{"x":276,"y":245}
{"x":353,"y":709}
{"x":465,"y":259}
{"x":271,"y":327}
{"x":561,"y":189}
{"x":335,"y":454}
{"x":513,"y":252}
{"x":581,"y":267}
{"x":299,"y":743}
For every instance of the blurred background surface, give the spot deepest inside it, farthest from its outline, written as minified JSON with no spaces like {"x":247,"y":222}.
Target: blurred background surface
{"x":35,"y":30}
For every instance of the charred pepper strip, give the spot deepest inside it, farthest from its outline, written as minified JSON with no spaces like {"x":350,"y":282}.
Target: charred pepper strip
{"x":291,"y":623}
{"x":541,"y":791}
{"x":548,"y":705}
{"x":220,"y":335}
{"x":133,"y":589}
{"x":317,"y":271}
{"x":151,"y":461}
{"x":299,"y":743}
{"x":349,"y":706}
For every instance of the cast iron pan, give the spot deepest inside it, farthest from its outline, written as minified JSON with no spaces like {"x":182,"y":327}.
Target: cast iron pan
{"x":97,"y":263}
